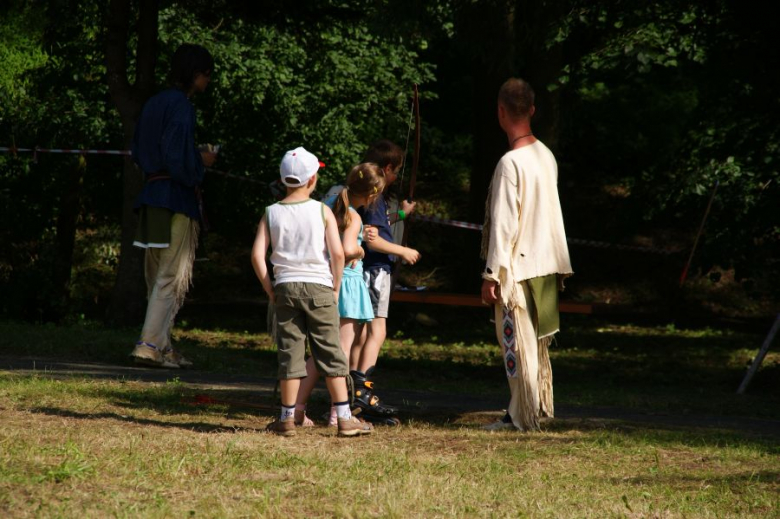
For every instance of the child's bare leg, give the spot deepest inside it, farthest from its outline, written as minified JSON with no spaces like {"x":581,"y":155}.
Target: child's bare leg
{"x":337,"y":387}
{"x":308,"y":383}
{"x":377,"y":332}
{"x":357,"y":346}
{"x":304,"y":392}
{"x":365,"y":398}
{"x":289,"y":388}
{"x":348,"y":332}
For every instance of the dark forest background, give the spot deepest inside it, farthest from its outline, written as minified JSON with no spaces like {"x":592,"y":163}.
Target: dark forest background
{"x":647,"y":106}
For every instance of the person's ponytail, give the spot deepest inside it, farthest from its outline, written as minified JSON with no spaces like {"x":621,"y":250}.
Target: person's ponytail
{"x":341,"y":209}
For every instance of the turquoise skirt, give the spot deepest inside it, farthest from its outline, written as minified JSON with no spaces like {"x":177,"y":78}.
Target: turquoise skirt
{"x":354,"y":301}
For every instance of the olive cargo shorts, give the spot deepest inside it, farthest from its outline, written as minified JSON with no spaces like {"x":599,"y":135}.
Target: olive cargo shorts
{"x":308,"y":310}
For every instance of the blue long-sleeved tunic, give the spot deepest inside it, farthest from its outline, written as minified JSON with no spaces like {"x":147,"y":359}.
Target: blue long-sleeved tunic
{"x":164,"y":144}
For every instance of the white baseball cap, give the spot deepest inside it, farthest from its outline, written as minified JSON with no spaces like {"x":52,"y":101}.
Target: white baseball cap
{"x":298,"y":166}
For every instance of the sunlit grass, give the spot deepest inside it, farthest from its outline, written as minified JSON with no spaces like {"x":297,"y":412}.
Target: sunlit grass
{"x":86,"y":448}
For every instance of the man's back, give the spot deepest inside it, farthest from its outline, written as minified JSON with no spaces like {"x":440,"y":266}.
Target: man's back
{"x":531,"y":172}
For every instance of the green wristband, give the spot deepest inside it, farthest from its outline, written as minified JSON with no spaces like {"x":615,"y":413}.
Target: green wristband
{"x":401,"y":214}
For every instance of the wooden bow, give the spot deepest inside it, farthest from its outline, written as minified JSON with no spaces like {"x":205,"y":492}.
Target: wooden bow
{"x":415,"y":162}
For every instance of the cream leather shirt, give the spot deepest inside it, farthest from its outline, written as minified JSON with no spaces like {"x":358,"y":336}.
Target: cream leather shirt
{"x":527,"y":237}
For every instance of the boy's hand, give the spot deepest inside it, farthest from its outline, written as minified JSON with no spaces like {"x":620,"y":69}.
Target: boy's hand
{"x":408,"y":207}
{"x":336,"y":296}
{"x":370,"y":233}
{"x":410,"y":256}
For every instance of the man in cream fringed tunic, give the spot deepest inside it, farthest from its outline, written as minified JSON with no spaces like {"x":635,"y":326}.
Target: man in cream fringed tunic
{"x":527,"y":259}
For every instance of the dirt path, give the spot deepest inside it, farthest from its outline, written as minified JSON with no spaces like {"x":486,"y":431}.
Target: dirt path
{"x":419,"y":403}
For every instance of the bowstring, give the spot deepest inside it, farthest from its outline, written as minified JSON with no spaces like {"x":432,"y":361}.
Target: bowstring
{"x":406,"y":148}
{"x":406,"y":155}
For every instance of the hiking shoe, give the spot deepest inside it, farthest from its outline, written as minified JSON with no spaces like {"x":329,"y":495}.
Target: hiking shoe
{"x":149,"y":355}
{"x":352,"y":427}
{"x":284,"y":427}
{"x":174,"y":357}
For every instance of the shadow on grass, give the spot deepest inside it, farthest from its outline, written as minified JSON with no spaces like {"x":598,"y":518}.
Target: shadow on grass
{"x":175,"y":398}
{"x":174,"y":401}
{"x":201,"y":427}
{"x":615,"y":430}
{"x":639,"y":369}
{"x":695,"y":482}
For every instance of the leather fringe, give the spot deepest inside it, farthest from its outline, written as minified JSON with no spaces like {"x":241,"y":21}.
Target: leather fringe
{"x":545,"y":381}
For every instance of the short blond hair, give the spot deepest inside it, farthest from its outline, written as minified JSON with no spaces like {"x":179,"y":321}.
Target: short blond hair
{"x":517,"y":96}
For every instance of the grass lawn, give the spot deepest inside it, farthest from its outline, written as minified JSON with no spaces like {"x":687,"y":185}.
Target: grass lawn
{"x":82,"y":447}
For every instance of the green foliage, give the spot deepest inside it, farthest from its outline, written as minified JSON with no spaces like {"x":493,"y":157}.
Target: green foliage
{"x":672,"y":98}
{"x":59,"y":100}
{"x":328,"y":83}
{"x":20,"y":52}
{"x":659,"y":101}
{"x":327,"y":80}
{"x":636,"y":35}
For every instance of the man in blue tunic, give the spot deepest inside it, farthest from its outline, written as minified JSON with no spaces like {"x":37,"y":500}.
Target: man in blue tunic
{"x":168,"y":206}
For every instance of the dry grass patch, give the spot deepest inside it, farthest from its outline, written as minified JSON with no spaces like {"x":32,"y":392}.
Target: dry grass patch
{"x":101,"y":448}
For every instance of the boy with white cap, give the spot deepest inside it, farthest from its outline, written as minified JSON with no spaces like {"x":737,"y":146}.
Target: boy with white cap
{"x":308,"y":261}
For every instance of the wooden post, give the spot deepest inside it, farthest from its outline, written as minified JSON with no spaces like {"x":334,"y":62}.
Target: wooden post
{"x":684,"y":274}
{"x":760,"y":357}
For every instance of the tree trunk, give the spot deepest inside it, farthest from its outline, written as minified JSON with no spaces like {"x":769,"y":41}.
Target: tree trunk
{"x":539,"y":65}
{"x":486,"y":30}
{"x":70,"y":206}
{"x":127,"y":299}
{"x":128,"y":303}
{"x":510,"y":41}
{"x":513,"y":35}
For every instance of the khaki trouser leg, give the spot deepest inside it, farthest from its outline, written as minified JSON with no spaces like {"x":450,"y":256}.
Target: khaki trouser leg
{"x":168,"y":273}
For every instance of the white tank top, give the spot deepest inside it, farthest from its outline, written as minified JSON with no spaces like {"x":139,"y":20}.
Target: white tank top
{"x":298,"y":240}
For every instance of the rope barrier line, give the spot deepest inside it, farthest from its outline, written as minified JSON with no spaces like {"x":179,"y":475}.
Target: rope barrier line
{"x":237,"y":177}
{"x":444,"y":221}
{"x":423,"y":218}
{"x":13,"y":150}
{"x":64,"y":150}
{"x":573,"y":241}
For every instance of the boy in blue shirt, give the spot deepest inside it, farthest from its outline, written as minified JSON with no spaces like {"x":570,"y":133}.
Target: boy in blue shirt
{"x":381,"y":254}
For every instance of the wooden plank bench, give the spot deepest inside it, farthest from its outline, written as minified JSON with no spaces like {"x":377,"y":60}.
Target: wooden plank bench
{"x":440,"y":298}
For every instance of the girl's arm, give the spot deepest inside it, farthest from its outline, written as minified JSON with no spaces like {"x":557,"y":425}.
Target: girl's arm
{"x":335,"y":250}
{"x":259,"y":249}
{"x":352,"y":251}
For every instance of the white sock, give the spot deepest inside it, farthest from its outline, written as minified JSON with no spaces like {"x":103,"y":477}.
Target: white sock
{"x":287,"y":411}
{"x":342,"y":410}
